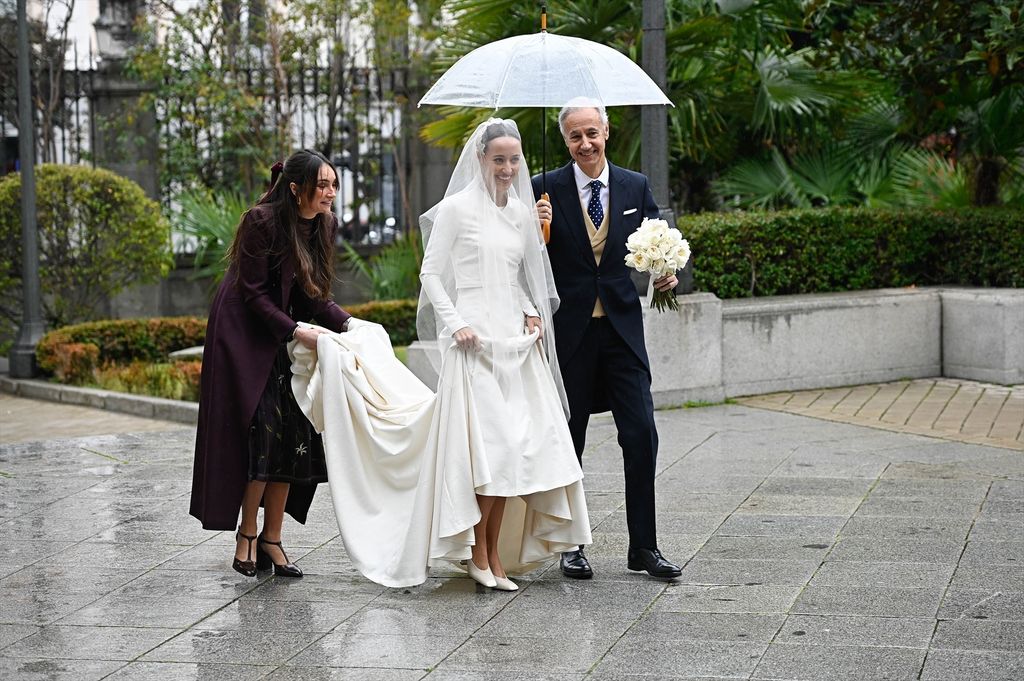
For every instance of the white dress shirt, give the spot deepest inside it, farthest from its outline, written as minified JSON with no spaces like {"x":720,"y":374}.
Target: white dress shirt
{"x":583,"y":187}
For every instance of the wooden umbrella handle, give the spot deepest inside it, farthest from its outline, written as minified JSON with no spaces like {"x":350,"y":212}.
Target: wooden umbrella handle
{"x":545,"y":225}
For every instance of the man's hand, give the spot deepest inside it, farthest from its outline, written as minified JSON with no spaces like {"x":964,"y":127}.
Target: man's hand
{"x":543,"y":211}
{"x":666,"y":283}
{"x":534,"y":323}
{"x":467,"y":339}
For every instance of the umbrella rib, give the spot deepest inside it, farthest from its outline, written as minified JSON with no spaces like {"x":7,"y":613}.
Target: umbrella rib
{"x":504,"y":78}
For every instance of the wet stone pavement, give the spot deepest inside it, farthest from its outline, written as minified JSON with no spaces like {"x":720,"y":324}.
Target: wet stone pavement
{"x":812,"y":550}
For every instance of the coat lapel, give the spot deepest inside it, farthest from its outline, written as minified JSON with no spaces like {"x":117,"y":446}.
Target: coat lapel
{"x":616,"y":195}
{"x":567,"y":201}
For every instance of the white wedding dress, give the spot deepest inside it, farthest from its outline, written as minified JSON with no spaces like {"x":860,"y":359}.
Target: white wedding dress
{"x":525,"y":435}
{"x":405,"y":464}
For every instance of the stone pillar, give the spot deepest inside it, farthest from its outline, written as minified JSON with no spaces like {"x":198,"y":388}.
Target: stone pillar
{"x":125,"y":137}
{"x":654,"y":129}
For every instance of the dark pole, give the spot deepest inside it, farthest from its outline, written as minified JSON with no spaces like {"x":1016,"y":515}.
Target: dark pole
{"x":654,"y":121}
{"x":23,"y":354}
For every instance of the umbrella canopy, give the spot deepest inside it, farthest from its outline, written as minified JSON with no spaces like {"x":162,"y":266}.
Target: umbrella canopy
{"x":540,"y":70}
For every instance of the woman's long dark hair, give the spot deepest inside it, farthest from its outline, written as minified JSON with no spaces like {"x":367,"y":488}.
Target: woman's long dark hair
{"x":314,"y":259}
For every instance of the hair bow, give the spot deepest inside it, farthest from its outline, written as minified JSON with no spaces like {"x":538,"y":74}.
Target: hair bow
{"x":275,"y":171}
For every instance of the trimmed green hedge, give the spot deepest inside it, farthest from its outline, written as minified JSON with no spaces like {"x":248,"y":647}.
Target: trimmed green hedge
{"x":397,"y":316}
{"x":74,"y":353}
{"x":745,"y":254}
{"x":121,"y":341}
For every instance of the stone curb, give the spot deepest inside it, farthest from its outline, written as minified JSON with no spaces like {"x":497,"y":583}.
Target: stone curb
{"x":178,"y":411}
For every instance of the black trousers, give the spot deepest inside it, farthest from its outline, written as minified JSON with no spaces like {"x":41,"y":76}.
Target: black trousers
{"x":605,"y":365}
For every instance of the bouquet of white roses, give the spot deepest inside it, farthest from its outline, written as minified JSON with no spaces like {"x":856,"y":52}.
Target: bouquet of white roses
{"x":661,"y":250}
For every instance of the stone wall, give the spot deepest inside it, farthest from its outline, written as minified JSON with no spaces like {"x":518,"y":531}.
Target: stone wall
{"x":711,"y":349}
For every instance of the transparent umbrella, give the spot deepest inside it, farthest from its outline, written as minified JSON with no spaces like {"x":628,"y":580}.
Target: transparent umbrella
{"x":541,"y":70}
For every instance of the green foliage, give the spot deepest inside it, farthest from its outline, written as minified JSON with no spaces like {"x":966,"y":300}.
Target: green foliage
{"x":121,"y":341}
{"x":738,"y":83}
{"x":394,"y":272}
{"x":837,"y":175}
{"x":397,"y":316}
{"x":170,"y":380}
{"x":226,"y":83}
{"x":840,"y":249}
{"x":210,"y":219}
{"x":98,"y":234}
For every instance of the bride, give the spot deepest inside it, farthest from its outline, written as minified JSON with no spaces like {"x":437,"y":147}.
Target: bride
{"x":487,"y":301}
{"x":422,"y":478}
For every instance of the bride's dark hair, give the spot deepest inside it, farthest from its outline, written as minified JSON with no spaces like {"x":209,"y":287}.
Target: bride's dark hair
{"x":496,"y":130}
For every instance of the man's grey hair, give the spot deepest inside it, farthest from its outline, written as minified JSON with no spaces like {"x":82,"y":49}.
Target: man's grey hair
{"x":578,"y":104}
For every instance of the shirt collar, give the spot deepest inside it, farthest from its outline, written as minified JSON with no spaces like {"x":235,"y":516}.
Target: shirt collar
{"x":583,"y":180}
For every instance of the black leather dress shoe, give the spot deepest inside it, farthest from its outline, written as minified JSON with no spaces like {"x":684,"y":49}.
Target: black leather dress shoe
{"x":653,"y":563}
{"x":575,"y":565}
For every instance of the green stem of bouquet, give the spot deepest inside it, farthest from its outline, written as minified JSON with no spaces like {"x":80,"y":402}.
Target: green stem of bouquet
{"x":664,"y":300}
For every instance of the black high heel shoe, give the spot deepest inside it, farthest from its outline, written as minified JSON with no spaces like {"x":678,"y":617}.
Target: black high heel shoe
{"x":246,"y":567}
{"x":264,"y":561}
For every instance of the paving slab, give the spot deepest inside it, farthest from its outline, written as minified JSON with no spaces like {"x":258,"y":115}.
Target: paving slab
{"x":811,"y":550}
{"x":873,"y":601}
{"x":703,"y":626}
{"x":188,"y":671}
{"x":973,"y":634}
{"x":89,"y":643}
{"x":883,"y":574}
{"x":839,"y":663}
{"x":700,"y":658}
{"x":973,"y":665}
{"x":843,"y":630}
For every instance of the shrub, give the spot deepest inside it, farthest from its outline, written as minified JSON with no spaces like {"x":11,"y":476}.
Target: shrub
{"x":818,"y":250}
{"x":98,"y":233}
{"x":397,"y":316}
{"x":121,"y":341}
{"x":75,"y":363}
{"x":394,"y":272}
{"x":172,"y":380}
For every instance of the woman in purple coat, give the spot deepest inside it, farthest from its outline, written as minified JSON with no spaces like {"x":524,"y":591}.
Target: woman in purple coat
{"x":254,"y":447}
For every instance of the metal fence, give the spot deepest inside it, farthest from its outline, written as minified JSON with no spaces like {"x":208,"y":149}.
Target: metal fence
{"x":353,"y":116}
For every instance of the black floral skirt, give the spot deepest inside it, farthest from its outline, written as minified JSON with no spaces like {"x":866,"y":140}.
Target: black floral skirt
{"x":283,"y":446}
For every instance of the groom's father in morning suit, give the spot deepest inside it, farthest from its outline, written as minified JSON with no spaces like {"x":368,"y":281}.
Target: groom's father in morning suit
{"x":599,"y":331}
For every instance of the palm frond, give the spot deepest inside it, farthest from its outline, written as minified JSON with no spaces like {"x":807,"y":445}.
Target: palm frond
{"x":924,"y":179}
{"x":877,"y":125}
{"x":787,"y":87}
{"x":761,"y":183}
{"x":209,"y":219}
{"x":394,"y":271}
{"x":825,"y":175}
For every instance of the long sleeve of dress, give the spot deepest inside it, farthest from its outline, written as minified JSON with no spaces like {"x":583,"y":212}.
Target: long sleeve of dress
{"x":527,"y":306}
{"x":436,"y":259}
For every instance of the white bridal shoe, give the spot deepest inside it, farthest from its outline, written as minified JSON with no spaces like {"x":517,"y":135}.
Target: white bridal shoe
{"x":505,"y":584}
{"x":485,"y":576}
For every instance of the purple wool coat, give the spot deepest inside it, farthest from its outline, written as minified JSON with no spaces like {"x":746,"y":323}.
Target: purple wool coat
{"x":253,"y":312}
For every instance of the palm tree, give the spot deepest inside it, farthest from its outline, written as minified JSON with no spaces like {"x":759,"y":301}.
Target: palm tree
{"x":737,"y":84}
